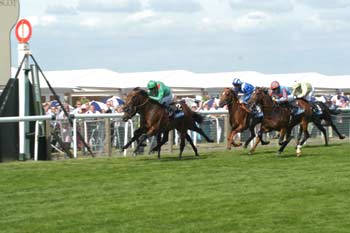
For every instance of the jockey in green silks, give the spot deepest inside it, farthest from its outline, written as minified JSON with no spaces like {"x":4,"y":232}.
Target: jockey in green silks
{"x":160,"y":92}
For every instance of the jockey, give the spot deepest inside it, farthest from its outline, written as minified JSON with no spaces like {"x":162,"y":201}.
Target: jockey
{"x":306,"y":91}
{"x":160,"y":92}
{"x":282,"y":94}
{"x":247,"y":90}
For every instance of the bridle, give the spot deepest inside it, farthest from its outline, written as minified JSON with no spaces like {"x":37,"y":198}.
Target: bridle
{"x":127,"y":109}
{"x":231,"y":101}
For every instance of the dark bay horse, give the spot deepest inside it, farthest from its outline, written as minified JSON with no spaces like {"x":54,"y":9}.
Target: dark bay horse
{"x":156,"y":122}
{"x":240,"y":118}
{"x":276,"y":117}
{"x":326,"y":116}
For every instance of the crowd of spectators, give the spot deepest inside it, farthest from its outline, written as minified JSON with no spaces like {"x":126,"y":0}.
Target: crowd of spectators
{"x":205,"y":103}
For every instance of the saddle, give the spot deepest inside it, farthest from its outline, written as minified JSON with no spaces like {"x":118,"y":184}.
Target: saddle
{"x":175,"y":110}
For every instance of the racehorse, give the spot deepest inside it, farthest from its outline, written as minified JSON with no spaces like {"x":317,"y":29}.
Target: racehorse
{"x":276,"y":117}
{"x":240,"y":118}
{"x":155,"y":121}
{"x":311,"y":116}
{"x":327,"y":117}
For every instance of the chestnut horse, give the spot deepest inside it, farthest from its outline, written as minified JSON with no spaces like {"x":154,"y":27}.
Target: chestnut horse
{"x":277,"y":118}
{"x":240,"y":118}
{"x":155,"y":121}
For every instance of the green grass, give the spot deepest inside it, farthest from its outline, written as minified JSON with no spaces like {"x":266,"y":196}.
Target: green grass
{"x":225,"y":191}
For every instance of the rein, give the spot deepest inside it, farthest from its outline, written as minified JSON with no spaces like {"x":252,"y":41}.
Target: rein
{"x":140,"y":105}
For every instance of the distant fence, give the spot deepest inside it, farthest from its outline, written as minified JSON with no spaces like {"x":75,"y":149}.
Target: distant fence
{"x":107,"y":133}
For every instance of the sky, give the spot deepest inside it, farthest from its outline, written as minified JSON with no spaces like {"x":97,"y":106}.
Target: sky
{"x":203,"y":36}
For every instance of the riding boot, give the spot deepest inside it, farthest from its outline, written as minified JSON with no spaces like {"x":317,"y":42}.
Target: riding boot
{"x":170,"y":109}
{"x":256,"y":112}
{"x":296,"y":110}
{"x":316,"y":109}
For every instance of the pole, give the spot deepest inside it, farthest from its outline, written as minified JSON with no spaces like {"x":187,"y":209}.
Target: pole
{"x":23,"y":90}
{"x":36,"y":90}
{"x":108,"y":144}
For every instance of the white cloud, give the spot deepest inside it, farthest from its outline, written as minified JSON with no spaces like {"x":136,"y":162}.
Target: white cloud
{"x":327,"y":4}
{"x":254,"y":20}
{"x":276,"y":6}
{"x":184,"y":6}
{"x":109,"y":5}
{"x":42,"y":21}
{"x":59,"y":9}
{"x":141,"y":16}
{"x":162,"y":33}
{"x":90,"y":22}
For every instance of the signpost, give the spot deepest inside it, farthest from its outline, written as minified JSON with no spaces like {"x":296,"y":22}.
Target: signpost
{"x":23,"y":31}
{"x":23,"y":34}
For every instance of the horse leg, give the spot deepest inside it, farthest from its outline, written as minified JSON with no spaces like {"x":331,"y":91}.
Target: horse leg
{"x":257,"y":140}
{"x":303,"y":128}
{"x":189,"y":139}
{"x":142,"y":139}
{"x":341,"y":136}
{"x":201,"y":132}
{"x":281,"y":137}
{"x":251,"y":136}
{"x":229,"y":140}
{"x":299,"y":135}
{"x":285,"y":143}
{"x":318,"y":124}
{"x":137,"y":134}
{"x":158,"y":146}
{"x":182,"y":143}
{"x":234,"y":133}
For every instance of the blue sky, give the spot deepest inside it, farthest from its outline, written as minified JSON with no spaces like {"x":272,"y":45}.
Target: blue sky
{"x":269,"y":36}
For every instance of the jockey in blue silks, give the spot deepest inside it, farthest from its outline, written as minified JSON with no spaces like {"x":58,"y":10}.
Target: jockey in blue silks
{"x":247,"y":90}
{"x":242,"y":87}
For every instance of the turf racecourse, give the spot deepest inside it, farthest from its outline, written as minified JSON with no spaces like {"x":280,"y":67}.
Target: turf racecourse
{"x":218,"y":192}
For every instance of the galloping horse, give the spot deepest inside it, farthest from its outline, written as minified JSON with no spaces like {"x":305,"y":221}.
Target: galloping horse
{"x":240,"y":118}
{"x":317,"y":120}
{"x":309,"y":116}
{"x":155,"y":121}
{"x":276,"y":117}
{"x":327,"y":117}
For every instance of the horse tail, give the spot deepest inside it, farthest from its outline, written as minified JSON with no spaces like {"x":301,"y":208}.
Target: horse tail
{"x":334,"y":111}
{"x":197,"y":117}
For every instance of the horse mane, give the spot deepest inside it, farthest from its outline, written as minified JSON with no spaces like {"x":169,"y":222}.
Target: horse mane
{"x":264,"y":89}
{"x":144,"y":94}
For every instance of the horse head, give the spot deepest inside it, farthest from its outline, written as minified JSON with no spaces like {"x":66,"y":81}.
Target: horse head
{"x":136,"y":98}
{"x":227,"y":97}
{"x":260,"y":96}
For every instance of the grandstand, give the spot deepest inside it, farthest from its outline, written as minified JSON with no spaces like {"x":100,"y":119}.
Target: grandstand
{"x":104,"y":82}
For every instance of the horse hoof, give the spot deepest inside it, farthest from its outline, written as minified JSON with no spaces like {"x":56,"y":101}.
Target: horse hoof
{"x":228,"y":148}
{"x":342,"y":137}
{"x":298,"y":154}
{"x":265,"y":143}
{"x":211,"y":141}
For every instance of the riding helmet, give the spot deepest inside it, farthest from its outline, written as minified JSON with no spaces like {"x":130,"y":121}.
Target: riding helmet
{"x":236,"y":81}
{"x":275,"y":85}
{"x":151,"y":84}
